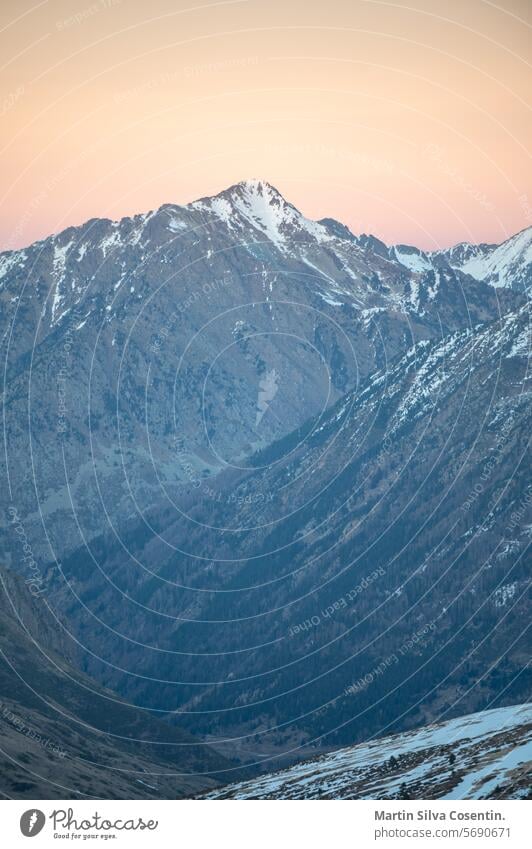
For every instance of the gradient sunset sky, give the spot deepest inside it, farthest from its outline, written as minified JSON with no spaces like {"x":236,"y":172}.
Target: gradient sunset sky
{"x":409,"y":120}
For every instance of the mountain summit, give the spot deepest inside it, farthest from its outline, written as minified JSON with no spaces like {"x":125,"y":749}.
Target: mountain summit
{"x":257,"y":204}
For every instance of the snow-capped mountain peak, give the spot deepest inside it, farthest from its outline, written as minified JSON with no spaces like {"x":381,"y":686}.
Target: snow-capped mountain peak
{"x":507,"y":264}
{"x":256,"y":203}
{"x":479,"y":756}
{"x":263,"y":206}
{"x":255,"y":185}
{"x":412,"y":258}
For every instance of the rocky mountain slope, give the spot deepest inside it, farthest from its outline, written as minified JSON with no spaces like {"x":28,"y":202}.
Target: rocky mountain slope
{"x":63,"y":736}
{"x":369,"y":572}
{"x":484,"y":755}
{"x":135,"y":350}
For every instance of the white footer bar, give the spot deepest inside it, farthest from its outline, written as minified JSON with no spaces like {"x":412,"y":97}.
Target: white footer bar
{"x":266,"y":825}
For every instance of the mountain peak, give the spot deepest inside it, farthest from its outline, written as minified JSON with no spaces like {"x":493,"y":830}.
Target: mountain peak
{"x":507,"y":264}
{"x":255,"y":192}
{"x":257,"y":203}
{"x":248,"y":189}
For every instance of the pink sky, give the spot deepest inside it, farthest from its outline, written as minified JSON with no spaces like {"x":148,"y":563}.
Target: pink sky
{"x":408,"y":120}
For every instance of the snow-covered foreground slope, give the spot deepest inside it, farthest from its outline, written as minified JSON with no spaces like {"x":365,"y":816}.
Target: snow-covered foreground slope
{"x":483,"y":755}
